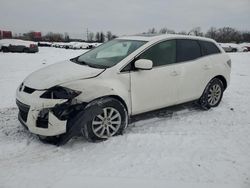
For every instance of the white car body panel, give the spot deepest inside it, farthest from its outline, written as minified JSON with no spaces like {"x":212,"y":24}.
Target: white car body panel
{"x":147,"y":95}
{"x":141,"y":91}
{"x":55,"y":75}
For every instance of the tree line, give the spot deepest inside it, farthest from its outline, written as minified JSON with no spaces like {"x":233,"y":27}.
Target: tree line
{"x":59,"y":37}
{"x":223,"y":34}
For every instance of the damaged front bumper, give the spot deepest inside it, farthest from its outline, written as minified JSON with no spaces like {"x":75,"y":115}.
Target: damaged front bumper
{"x":45,"y":117}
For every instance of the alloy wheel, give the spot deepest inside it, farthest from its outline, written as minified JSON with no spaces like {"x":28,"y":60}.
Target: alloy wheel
{"x":214,"y":94}
{"x":107,"y":124}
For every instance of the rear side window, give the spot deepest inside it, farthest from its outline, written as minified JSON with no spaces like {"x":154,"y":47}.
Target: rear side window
{"x":187,"y":50}
{"x":209,"y":48}
{"x":163,"y":53}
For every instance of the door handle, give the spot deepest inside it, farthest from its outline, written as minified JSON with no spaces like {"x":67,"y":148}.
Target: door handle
{"x":174,"y":73}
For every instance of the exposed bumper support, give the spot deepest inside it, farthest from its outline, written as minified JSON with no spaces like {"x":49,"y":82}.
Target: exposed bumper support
{"x":78,"y":123}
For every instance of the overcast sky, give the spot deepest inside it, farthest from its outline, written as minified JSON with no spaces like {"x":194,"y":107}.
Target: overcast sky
{"x":121,"y":16}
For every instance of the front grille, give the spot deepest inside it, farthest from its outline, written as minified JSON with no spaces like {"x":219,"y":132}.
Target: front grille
{"x":23,"y":110}
{"x":28,"y":90}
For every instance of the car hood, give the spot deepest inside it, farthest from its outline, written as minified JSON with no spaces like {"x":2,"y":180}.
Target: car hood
{"x":60,"y":73}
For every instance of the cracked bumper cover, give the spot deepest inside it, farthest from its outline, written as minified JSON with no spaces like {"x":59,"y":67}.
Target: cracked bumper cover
{"x":30,"y":106}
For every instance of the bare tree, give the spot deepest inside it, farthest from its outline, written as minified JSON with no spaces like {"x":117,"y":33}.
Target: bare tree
{"x":166,"y":30}
{"x":152,"y":31}
{"x":246,"y":36}
{"x":97,"y":37}
{"x":182,"y":33}
{"x":212,"y":33}
{"x":54,"y":37}
{"x":228,"y":34}
{"x":102,"y":37}
{"x":66,"y":37}
{"x":91,"y":36}
{"x":163,"y":30}
{"x":196,"y":31}
{"x":109,"y":35}
{"x":28,"y":36}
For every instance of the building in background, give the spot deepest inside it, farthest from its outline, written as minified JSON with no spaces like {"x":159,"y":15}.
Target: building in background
{"x":37,"y":36}
{"x":5,"y":34}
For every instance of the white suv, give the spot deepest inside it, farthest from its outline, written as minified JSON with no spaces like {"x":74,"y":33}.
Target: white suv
{"x":97,"y":92}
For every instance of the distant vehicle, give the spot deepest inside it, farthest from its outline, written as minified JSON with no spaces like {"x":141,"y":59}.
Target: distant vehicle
{"x":248,"y":48}
{"x":96,"y":44}
{"x":75,"y":45}
{"x":231,"y":47}
{"x":44,"y":44}
{"x":246,"y":45}
{"x":83,"y":45}
{"x":95,"y":93}
{"x":14,"y":45}
{"x":0,"y":47}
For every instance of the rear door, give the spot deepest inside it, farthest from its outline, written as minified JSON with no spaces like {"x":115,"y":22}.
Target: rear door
{"x":192,"y":68}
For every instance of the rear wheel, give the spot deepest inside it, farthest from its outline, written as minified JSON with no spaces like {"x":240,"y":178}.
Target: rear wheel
{"x":212,"y":94}
{"x":26,"y":50}
{"x":234,"y":50}
{"x":112,"y":121}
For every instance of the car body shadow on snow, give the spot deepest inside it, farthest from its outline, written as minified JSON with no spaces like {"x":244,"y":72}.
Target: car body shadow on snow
{"x":11,"y":128}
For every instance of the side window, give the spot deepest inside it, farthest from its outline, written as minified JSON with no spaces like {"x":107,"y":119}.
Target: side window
{"x":209,"y":48}
{"x":161,"y":54}
{"x":187,"y":50}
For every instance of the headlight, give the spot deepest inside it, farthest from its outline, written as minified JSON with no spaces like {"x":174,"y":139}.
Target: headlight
{"x":59,"y":92}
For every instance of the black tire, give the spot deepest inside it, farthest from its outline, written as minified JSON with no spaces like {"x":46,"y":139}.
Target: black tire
{"x":5,"y":49}
{"x":106,"y":103}
{"x":206,"y":102}
{"x":26,"y":50}
{"x":53,"y":140}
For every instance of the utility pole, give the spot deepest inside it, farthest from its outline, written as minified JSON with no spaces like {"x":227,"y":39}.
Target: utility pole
{"x":87,"y":34}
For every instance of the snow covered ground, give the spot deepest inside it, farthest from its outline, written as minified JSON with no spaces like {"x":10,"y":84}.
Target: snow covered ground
{"x":188,"y":148}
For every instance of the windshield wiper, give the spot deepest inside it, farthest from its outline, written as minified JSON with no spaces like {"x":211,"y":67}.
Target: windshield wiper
{"x":96,"y":66}
{"x":75,"y":60}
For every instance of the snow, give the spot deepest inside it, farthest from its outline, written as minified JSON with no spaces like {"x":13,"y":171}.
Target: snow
{"x":177,"y":147}
{"x":7,"y":42}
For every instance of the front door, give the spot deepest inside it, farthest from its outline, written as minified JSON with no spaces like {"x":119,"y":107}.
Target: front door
{"x":155,"y":88}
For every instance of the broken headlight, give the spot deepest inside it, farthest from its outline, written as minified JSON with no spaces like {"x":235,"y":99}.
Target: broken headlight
{"x":59,"y":92}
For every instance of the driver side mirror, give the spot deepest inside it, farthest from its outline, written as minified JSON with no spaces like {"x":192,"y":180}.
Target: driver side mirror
{"x":144,"y":64}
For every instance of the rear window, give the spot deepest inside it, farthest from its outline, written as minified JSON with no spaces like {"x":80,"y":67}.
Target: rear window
{"x":187,"y":50}
{"x":209,"y":48}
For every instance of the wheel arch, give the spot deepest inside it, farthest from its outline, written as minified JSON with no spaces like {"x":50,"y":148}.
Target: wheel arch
{"x":222,"y":79}
{"x":120,"y":99}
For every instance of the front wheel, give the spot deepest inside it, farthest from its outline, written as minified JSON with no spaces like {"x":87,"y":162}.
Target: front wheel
{"x":212,"y":94}
{"x":112,"y":121}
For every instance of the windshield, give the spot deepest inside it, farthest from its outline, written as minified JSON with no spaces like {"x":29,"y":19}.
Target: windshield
{"x":110,"y":53}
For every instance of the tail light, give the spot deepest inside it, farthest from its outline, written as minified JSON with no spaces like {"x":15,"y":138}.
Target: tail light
{"x":32,"y":45}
